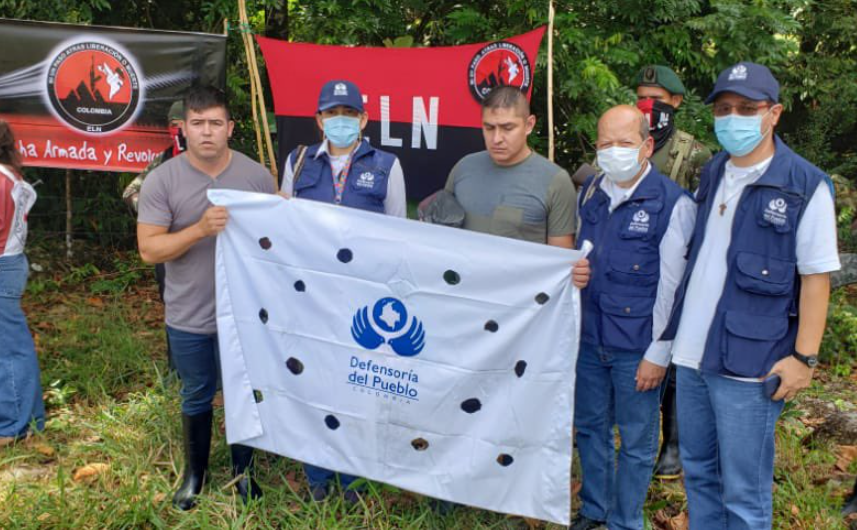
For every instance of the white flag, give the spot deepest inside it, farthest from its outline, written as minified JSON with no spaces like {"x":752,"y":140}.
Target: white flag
{"x":434,"y":359}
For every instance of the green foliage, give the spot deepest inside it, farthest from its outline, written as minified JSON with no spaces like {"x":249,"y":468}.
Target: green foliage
{"x":839,"y":345}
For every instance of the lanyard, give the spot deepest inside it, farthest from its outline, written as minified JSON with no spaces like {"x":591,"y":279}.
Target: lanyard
{"x":339,"y":180}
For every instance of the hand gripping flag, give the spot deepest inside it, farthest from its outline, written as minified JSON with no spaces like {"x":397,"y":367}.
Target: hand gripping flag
{"x":434,"y":359}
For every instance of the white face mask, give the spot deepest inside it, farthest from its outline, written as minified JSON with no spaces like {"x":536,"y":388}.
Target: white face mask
{"x":620,"y":164}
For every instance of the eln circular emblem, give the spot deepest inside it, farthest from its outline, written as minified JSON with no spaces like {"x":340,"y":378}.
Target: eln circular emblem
{"x":93,"y":87}
{"x":498,"y":64}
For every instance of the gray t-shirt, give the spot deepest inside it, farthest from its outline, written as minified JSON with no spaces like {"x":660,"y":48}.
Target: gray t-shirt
{"x":174,"y":195}
{"x":532,"y":200}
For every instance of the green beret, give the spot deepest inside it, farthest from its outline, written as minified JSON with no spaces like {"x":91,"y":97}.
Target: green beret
{"x":176,"y":111}
{"x":660,"y":76}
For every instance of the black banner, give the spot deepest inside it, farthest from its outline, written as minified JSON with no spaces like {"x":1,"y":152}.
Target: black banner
{"x":93,"y":97}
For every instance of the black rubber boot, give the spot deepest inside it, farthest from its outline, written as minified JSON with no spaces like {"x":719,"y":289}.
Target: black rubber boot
{"x":668,"y":466}
{"x":851,"y":502}
{"x":197,"y":444}
{"x":242,"y":463}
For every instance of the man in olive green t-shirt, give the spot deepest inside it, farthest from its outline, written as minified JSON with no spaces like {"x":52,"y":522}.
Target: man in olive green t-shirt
{"x":509,"y":190}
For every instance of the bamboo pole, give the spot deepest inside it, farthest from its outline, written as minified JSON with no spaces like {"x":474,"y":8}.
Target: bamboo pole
{"x":551,"y":145}
{"x":253,"y":105}
{"x":256,"y":80}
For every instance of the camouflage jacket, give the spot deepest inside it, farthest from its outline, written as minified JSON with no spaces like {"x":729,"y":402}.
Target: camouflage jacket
{"x":132,"y":191}
{"x":681,"y":159}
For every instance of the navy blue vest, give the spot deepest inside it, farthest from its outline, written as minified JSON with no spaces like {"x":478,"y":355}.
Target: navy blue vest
{"x":625,"y":261}
{"x":365,"y":188}
{"x":755,"y":323}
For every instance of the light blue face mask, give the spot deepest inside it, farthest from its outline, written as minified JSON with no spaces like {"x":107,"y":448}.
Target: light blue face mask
{"x":739,"y":135}
{"x":342,"y":131}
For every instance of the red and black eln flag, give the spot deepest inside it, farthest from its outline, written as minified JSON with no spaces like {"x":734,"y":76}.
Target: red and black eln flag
{"x":423,"y":103}
{"x":95,"y":97}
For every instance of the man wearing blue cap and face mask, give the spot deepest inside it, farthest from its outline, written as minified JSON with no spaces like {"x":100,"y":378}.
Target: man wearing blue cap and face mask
{"x":343,"y":169}
{"x":639,"y":222}
{"x":750,"y":312}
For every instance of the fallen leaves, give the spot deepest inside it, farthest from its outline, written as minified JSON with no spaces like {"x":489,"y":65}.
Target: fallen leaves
{"x":845,"y":454}
{"x":676,"y":522}
{"x":90,"y":472}
{"x":95,"y":301}
{"x":45,"y":450}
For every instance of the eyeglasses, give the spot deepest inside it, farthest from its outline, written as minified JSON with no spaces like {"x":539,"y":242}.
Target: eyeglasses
{"x":743,"y":109}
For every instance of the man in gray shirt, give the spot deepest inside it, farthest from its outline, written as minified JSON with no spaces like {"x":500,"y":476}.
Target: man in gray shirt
{"x":177,"y":225}
{"x":508,"y":189}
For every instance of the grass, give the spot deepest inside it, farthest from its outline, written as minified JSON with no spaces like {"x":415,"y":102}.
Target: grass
{"x":110,"y":401}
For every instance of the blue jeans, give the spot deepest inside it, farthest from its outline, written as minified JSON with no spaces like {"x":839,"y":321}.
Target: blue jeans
{"x":614,"y":490}
{"x":197,"y":361}
{"x":20,"y":389}
{"x":726,"y":441}
{"x":319,"y":476}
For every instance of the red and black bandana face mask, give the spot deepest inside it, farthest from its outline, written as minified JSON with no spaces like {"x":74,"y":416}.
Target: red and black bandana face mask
{"x":661,"y":118}
{"x":179,"y":143}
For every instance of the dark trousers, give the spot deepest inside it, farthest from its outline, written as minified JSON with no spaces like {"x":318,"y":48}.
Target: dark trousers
{"x":161,"y":278}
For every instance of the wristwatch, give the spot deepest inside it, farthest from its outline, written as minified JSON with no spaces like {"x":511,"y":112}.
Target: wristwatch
{"x":809,"y":360}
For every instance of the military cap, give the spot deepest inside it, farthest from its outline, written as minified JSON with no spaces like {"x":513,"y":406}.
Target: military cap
{"x":660,"y":76}
{"x":176,"y":111}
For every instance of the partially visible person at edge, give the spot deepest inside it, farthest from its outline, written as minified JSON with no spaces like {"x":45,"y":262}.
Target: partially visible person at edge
{"x":177,"y":225}
{"x":511,"y":191}
{"x":343,"y":169}
{"x":679,"y":156}
{"x":751,"y":309}
{"x":639,"y":222}
{"x":132,"y":192}
{"x":21,"y":406}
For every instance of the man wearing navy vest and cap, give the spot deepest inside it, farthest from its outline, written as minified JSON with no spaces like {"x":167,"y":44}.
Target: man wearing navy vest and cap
{"x":639,"y":222}
{"x":343,"y":169}
{"x":750,"y":312}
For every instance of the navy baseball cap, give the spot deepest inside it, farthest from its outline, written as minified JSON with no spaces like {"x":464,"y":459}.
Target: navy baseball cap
{"x":750,"y":80}
{"x":336,"y":93}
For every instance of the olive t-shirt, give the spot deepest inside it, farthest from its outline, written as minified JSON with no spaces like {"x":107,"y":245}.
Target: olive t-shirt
{"x":174,"y":195}
{"x":531,"y":200}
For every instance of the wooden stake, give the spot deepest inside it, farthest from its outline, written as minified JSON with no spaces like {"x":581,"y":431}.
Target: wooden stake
{"x":550,"y":82}
{"x":68,"y":227}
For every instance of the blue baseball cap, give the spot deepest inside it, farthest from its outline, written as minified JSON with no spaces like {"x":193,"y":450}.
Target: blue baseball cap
{"x":336,"y":93}
{"x":750,"y":80}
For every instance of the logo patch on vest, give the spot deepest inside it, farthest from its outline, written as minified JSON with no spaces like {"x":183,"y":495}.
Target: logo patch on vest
{"x":775,"y":213}
{"x":640,"y":222}
{"x":365,"y":180}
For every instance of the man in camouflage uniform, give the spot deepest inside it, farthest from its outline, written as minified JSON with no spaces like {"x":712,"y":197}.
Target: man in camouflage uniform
{"x":132,"y":191}
{"x":679,"y":156}
{"x":175,"y":116}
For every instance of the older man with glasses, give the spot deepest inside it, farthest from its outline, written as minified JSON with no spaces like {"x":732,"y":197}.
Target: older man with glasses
{"x":750,"y":311}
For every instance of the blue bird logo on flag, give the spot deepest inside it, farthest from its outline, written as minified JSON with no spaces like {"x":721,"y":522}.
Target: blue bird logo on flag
{"x":389,"y":316}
